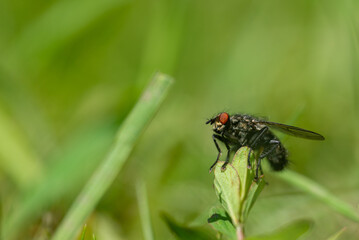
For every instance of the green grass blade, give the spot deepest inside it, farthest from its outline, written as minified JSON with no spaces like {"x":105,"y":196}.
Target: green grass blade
{"x":83,"y":232}
{"x":337,"y":234}
{"x":127,"y":135}
{"x":319,"y":192}
{"x":144,"y":211}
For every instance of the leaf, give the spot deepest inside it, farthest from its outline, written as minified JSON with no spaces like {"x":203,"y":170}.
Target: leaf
{"x":240,"y":163}
{"x":292,"y":231}
{"x":221,"y":222}
{"x":250,"y":190}
{"x":336,"y":235}
{"x":254,"y":191}
{"x":186,"y":233}
{"x":227,"y":186}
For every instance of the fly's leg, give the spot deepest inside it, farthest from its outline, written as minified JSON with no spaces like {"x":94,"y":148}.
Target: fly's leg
{"x":258,"y":166}
{"x":219,"y":152}
{"x":265,"y":154}
{"x":227,"y":158}
{"x":275,"y":144}
{"x":252,"y":145}
{"x":222,"y":139}
{"x":249,"y":165}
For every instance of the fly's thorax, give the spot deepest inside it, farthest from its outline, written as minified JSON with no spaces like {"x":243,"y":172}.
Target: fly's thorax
{"x":242,"y":123}
{"x":238,"y":129}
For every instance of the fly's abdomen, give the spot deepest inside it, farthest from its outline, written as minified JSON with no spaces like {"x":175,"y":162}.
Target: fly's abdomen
{"x":278,"y":158}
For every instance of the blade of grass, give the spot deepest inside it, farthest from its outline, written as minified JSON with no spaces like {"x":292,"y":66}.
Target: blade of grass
{"x":319,"y":192}
{"x":127,"y":135}
{"x":337,"y":234}
{"x":83,"y":232}
{"x":144,"y":211}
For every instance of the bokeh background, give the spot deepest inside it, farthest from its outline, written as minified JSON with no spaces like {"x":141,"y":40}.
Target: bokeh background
{"x":70,"y":72}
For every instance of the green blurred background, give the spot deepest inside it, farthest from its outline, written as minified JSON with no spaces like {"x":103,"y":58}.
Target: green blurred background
{"x":70,"y":72}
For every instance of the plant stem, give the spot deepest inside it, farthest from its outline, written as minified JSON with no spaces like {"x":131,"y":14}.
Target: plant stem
{"x":239,"y":232}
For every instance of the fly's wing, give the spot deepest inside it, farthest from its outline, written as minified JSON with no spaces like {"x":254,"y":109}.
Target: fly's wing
{"x":294,"y":131}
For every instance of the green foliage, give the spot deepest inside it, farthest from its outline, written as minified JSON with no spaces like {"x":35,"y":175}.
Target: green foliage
{"x":236,"y":190}
{"x":317,"y":191}
{"x":127,"y":135}
{"x":16,"y":154}
{"x":221,"y":222}
{"x":185,"y":233}
{"x":251,"y":197}
{"x":144,"y":211}
{"x":71,"y":71}
{"x":336,"y":235}
{"x":90,"y":144}
{"x":83,"y":232}
{"x":227,"y":186}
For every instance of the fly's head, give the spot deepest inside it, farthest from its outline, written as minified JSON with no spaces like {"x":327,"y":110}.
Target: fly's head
{"x":219,"y":122}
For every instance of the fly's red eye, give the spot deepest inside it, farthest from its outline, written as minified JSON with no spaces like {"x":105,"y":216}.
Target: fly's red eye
{"x":223,"y":118}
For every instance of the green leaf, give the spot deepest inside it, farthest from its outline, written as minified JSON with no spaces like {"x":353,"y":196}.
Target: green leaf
{"x":235,"y":187}
{"x":254,"y":191}
{"x":185,"y":233}
{"x":227,"y":186}
{"x":240,"y":163}
{"x":250,"y":190}
{"x":292,"y":231}
{"x":221,"y":222}
{"x":336,"y":235}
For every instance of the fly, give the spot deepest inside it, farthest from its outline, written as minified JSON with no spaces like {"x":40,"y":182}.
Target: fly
{"x":245,"y":130}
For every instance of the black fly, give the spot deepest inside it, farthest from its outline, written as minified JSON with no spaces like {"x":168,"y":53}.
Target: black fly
{"x":245,"y":130}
